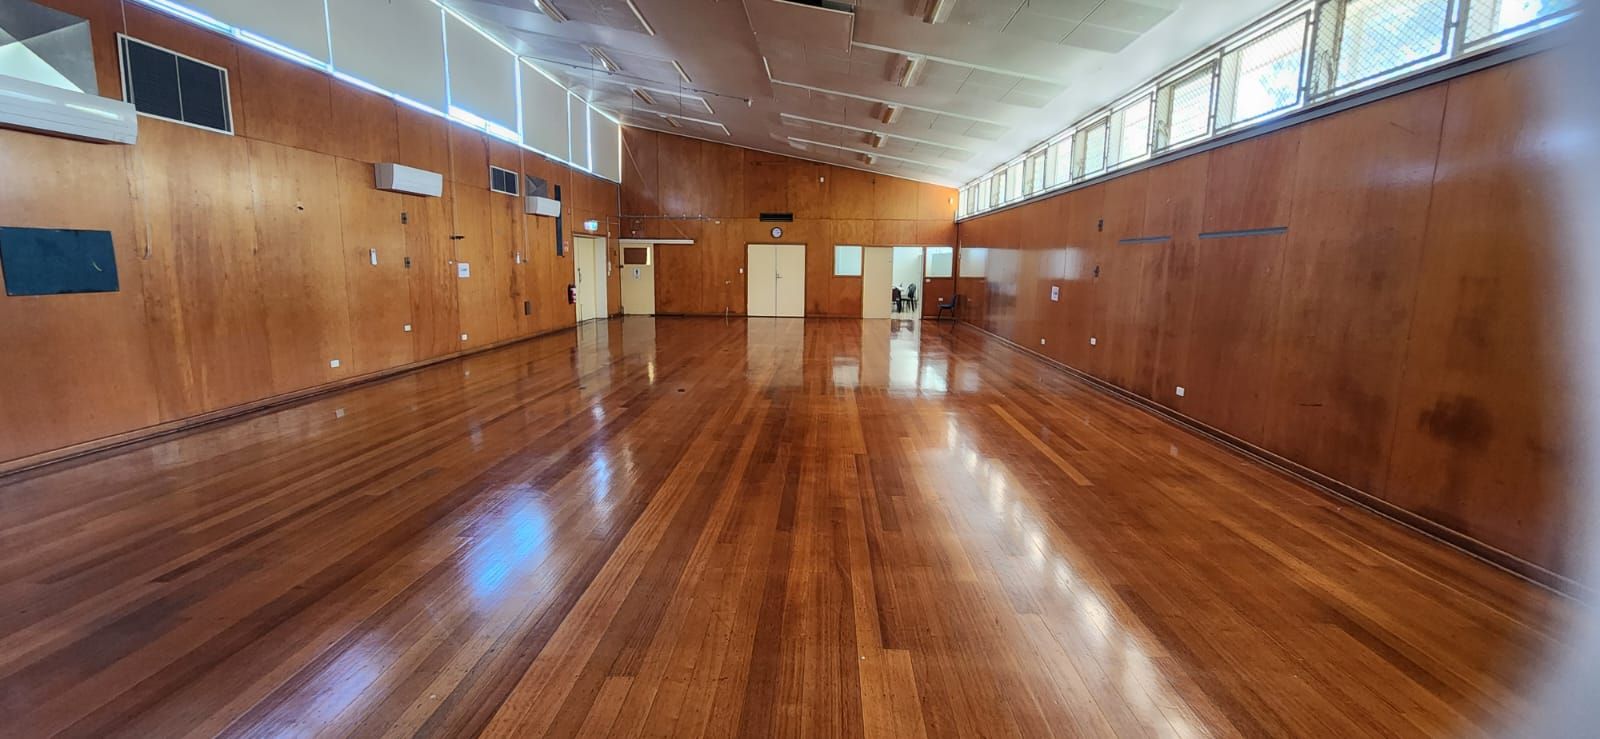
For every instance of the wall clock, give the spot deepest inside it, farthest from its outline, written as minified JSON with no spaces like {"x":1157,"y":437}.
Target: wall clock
{"x":777,"y":233}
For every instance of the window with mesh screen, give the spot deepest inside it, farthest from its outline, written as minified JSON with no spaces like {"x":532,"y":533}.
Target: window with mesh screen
{"x":1494,"y":20}
{"x":1364,"y":41}
{"x":1014,"y":181}
{"x":1089,"y":150}
{"x":1183,"y":108}
{"x":1262,"y":76}
{"x":1060,"y":157}
{"x":1130,"y":132}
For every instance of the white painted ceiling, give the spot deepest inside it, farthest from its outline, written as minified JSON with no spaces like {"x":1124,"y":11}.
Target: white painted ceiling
{"x":995,"y":77}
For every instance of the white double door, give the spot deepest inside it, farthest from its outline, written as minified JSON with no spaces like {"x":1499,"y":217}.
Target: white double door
{"x":776,"y":280}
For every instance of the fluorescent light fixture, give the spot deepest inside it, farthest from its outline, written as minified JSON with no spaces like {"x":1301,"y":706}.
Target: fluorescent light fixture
{"x":470,"y":118}
{"x":605,"y":59}
{"x":939,"y":12}
{"x":874,"y":155}
{"x":890,"y":114}
{"x":647,"y":27}
{"x":644,"y":97}
{"x":190,"y":14}
{"x":673,"y":118}
{"x":912,"y":70}
{"x":671,"y":122}
{"x":876,"y":140}
{"x":266,"y":44}
{"x":551,"y":11}
{"x":681,"y":73}
{"x":868,"y":158}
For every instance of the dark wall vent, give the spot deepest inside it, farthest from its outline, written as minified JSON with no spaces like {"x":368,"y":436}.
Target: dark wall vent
{"x":503,"y":180}
{"x":778,"y":217}
{"x":164,"y":84}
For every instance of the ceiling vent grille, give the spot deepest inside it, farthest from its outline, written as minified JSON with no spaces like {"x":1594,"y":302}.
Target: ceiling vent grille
{"x":777,"y":217}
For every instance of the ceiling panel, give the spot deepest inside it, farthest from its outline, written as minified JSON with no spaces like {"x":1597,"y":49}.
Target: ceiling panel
{"x":995,"y":77}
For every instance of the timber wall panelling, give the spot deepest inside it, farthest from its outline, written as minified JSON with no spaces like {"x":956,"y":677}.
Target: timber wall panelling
{"x":1399,"y":337}
{"x":678,"y":187}
{"x":247,"y":261}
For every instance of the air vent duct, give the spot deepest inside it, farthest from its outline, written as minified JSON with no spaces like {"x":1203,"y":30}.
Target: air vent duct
{"x":777,"y":217}
{"x":410,"y":180}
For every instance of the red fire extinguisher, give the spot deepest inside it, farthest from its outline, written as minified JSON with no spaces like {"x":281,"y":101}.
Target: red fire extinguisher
{"x":572,"y":294}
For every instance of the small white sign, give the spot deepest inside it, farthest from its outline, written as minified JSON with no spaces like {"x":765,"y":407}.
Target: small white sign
{"x":1055,"y":293}
{"x":463,"y":270}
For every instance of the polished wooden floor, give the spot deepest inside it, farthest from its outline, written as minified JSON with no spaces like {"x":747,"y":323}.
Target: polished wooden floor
{"x":684,"y":527}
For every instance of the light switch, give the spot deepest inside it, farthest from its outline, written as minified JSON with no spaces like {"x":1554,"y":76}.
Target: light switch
{"x":334,"y":364}
{"x":1041,"y":342}
{"x":407,"y":328}
{"x":1093,"y":341}
{"x":463,"y":337}
{"x":1180,"y":391}
{"x":1055,"y":293}
{"x":463,"y":270}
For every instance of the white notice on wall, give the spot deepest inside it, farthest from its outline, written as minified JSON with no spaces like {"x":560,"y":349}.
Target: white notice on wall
{"x":463,"y":270}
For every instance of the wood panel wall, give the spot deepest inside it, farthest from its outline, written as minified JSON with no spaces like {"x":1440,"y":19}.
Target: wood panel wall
{"x":1400,"y":338}
{"x":677,"y":187}
{"x":246,"y":260}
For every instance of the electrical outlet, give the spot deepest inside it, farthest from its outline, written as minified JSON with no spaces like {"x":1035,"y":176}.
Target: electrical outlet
{"x":1181,"y":391}
{"x":334,"y":364}
{"x":463,"y":337}
{"x":1093,"y":341}
{"x":1041,"y":342}
{"x":407,"y":328}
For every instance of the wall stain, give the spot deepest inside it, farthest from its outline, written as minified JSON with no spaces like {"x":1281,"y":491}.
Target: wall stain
{"x":1458,"y":420}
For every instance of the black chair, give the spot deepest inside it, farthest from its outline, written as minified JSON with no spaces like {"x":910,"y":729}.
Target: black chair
{"x":898,"y":300}
{"x":955,"y":303}
{"x":911,"y":296}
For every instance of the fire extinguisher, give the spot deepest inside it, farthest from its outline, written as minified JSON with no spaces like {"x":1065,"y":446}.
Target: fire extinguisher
{"x":572,"y":294}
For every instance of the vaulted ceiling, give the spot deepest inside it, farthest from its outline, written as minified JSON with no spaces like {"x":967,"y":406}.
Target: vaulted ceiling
{"x":934,"y":90}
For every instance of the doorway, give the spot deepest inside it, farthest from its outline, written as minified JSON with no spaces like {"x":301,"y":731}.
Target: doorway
{"x":589,"y":267}
{"x":908,"y":277}
{"x":638,"y":279}
{"x":776,"y":284}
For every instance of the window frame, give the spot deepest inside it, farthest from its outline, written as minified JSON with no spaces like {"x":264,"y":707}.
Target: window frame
{"x":860,"y":260}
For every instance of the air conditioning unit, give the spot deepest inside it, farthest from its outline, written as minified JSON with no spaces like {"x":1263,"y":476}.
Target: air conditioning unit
{"x":32,"y":106}
{"x":409,"y":180}
{"x":537,"y":206}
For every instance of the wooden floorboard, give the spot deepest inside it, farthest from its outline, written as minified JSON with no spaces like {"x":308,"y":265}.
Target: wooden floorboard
{"x":701,"y":527}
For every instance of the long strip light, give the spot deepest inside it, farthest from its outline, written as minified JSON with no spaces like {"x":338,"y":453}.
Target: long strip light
{"x":550,"y":11}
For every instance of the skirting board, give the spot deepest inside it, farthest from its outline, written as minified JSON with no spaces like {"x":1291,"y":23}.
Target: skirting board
{"x":1325,"y":485}
{"x":121,"y":442}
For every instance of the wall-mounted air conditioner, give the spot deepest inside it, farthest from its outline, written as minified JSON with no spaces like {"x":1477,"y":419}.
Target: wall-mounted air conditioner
{"x":537,"y":206}
{"x":32,"y":106}
{"x":409,"y":180}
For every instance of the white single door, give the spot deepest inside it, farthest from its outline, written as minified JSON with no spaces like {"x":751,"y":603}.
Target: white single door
{"x":583,"y":263}
{"x":790,"y":289}
{"x":877,"y":281}
{"x":761,"y":270}
{"x":638,"y":280}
